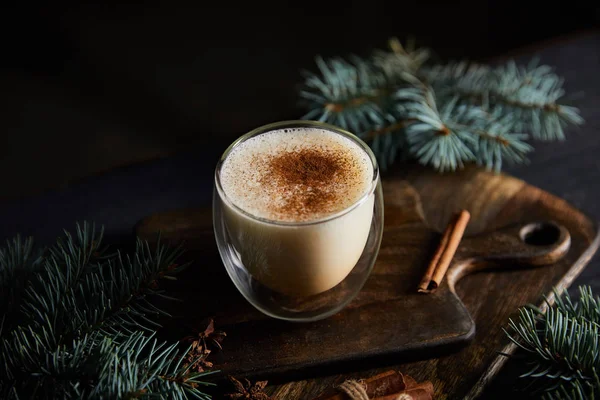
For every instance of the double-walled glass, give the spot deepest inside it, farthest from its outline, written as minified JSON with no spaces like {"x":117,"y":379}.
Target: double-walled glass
{"x":301,"y":257}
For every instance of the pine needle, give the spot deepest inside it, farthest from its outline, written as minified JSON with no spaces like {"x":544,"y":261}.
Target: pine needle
{"x":561,"y":346}
{"x":442,"y":115}
{"x":79,"y":322}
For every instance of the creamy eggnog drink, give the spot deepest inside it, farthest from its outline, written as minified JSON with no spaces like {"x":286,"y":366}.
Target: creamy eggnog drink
{"x":298,"y":205}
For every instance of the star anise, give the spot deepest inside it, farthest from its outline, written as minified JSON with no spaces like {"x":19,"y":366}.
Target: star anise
{"x":208,"y":335}
{"x":200,"y":350}
{"x":247,"y":391}
{"x":197,"y":356}
{"x":212,"y":336}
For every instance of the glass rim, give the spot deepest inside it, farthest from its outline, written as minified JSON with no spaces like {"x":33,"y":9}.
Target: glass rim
{"x":297,"y":124}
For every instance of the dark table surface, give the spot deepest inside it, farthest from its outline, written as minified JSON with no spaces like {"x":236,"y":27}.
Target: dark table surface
{"x":120,"y":198}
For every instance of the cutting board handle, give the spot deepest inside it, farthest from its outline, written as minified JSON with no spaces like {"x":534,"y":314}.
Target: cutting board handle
{"x":522,"y":245}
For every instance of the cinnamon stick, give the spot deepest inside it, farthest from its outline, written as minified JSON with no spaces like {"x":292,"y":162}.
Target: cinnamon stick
{"x":413,"y":391}
{"x":435,"y":260}
{"x":389,"y":385}
{"x":445,"y":252}
{"x":378,"y":385}
{"x":409,"y":381}
{"x":410,"y":394}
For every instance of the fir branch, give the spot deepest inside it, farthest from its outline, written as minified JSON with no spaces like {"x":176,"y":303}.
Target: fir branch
{"x":86,"y":322}
{"x":432,"y":139}
{"x":74,"y":296}
{"x":349,"y":94}
{"x":79,"y":251}
{"x":561,"y":346}
{"x":588,"y":306}
{"x":456,"y":133}
{"x":478,"y":114}
{"x":526,"y":97}
{"x":17,"y":264}
{"x":135,"y":366}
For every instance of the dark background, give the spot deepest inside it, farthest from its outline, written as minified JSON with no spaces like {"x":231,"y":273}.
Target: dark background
{"x":94,"y":98}
{"x":86,"y":88}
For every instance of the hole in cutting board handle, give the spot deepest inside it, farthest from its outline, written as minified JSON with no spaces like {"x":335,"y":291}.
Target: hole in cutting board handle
{"x":540,"y":233}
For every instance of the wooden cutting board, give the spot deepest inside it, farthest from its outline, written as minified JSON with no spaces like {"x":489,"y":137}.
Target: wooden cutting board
{"x":388,"y":322}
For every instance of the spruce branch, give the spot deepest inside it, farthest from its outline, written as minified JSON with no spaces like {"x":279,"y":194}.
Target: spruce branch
{"x":85,"y":322}
{"x":561,"y":346}
{"x":17,"y":264}
{"x":348,"y":94}
{"x":526,"y":96}
{"x":442,"y":115}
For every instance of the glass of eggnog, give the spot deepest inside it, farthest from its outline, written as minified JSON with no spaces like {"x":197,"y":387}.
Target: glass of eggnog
{"x":298,"y":217}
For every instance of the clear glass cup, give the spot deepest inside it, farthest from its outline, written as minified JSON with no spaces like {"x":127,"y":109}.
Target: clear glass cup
{"x":245,"y":241}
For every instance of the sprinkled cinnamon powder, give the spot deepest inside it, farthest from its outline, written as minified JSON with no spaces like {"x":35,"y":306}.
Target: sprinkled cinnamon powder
{"x":306,"y":179}
{"x":296,"y":175}
{"x":307,"y":166}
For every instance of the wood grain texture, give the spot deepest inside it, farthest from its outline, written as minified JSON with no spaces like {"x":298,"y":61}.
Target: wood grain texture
{"x":418,"y":206}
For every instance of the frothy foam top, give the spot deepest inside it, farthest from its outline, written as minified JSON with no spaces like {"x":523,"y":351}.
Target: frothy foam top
{"x":295,"y":175}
